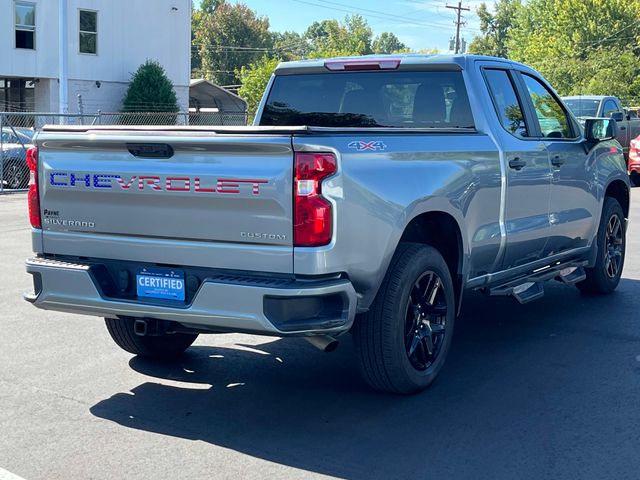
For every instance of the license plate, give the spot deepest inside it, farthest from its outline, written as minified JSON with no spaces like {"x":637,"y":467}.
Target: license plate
{"x":162,"y":283}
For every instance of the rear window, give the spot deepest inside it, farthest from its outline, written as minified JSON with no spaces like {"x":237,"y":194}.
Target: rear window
{"x":583,"y":107}
{"x":372,"y":99}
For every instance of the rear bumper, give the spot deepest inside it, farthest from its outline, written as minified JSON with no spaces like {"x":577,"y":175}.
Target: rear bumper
{"x":221,"y":304}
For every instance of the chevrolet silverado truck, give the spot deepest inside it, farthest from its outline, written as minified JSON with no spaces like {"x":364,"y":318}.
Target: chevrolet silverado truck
{"x":368,"y":196}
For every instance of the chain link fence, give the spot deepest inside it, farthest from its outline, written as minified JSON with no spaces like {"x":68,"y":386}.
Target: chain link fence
{"x":18,"y":128}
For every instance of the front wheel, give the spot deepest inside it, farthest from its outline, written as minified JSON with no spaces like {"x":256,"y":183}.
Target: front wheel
{"x":605,"y":275}
{"x":168,"y":345}
{"x":403,"y":340}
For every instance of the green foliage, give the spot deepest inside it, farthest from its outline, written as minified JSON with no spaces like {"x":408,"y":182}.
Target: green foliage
{"x":580,"y":46}
{"x":334,"y":38}
{"x":387,"y":42}
{"x":150,"y":90}
{"x":228,"y":38}
{"x":495,"y":27}
{"x":254,"y":79}
{"x":209,"y":6}
{"x":290,"y":45}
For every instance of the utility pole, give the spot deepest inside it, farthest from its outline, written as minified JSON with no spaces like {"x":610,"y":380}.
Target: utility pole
{"x":459,"y":22}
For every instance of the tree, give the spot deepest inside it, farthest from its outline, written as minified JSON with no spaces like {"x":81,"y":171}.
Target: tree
{"x":580,"y":45}
{"x":495,"y":28}
{"x":335,"y":38}
{"x":254,"y":79}
{"x":387,"y":42}
{"x":209,"y":6}
{"x":290,"y":45}
{"x":150,"y":90}
{"x":228,"y":38}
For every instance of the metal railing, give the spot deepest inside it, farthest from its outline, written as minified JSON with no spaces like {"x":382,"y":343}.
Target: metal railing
{"x":18,"y":128}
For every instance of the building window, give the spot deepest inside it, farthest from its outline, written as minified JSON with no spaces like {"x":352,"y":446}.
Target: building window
{"x":88,"y":31}
{"x":25,"y":25}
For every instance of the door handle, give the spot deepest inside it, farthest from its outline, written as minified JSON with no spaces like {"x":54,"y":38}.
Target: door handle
{"x":517,"y":163}
{"x":623,"y":128}
{"x":557,"y":161}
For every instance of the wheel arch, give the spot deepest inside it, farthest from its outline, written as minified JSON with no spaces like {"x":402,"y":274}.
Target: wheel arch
{"x":619,"y":190}
{"x":437,"y":229}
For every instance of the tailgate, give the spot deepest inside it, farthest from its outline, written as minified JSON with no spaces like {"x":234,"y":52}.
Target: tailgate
{"x":178,"y":198}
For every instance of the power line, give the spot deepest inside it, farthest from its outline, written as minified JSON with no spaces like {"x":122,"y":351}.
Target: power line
{"x":381,"y":15}
{"x":459,"y":22}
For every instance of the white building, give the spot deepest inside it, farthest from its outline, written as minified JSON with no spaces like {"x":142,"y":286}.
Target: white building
{"x":107,"y":40}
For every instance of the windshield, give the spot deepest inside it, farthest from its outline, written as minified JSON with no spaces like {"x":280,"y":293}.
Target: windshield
{"x":369,"y":99}
{"x":581,"y":107}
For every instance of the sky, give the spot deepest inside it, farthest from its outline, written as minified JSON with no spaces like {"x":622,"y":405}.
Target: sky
{"x":418,"y":23}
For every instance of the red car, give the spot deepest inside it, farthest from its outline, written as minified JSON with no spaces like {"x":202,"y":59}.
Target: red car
{"x":634,"y":161}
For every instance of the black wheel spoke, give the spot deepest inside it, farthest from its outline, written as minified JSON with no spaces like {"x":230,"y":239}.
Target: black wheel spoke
{"x":614,"y":246}
{"x":425,"y":320}
{"x":414,"y":345}
{"x":437,"y":328}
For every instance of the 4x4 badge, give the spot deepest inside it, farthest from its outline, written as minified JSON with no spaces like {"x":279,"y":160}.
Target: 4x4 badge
{"x":374,"y":145}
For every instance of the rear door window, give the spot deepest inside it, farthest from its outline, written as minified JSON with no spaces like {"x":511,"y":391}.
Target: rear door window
{"x":506,"y":102}
{"x":369,"y":99}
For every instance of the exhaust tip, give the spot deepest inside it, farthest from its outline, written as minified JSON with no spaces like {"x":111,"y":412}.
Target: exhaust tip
{"x":324,"y":343}
{"x":331,"y":346}
{"x":140,"y":328}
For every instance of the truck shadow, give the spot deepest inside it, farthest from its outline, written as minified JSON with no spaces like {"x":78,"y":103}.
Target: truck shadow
{"x":511,"y":401}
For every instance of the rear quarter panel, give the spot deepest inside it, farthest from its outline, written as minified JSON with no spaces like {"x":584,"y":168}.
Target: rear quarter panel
{"x":377,"y":193}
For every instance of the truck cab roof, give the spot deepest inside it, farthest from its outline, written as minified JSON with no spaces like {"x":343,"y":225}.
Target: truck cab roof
{"x":404,"y":60}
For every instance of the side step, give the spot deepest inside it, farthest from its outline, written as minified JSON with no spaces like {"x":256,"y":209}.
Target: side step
{"x":524,"y":293}
{"x":571,"y":275}
{"x":531,"y":287}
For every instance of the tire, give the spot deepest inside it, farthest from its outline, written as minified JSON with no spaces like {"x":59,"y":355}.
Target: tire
{"x":605,"y":275}
{"x":15,"y":174}
{"x":400,"y":320}
{"x":169,"y":345}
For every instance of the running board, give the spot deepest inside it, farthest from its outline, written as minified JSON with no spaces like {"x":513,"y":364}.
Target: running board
{"x":531,"y":287}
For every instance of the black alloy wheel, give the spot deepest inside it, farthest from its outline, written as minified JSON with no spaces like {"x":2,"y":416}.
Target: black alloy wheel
{"x":426,"y":321}
{"x":614,"y":246}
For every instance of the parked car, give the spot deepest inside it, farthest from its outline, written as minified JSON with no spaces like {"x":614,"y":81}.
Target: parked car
{"x":15,"y":142}
{"x":371,"y":193}
{"x":586,"y":106}
{"x":634,"y":161}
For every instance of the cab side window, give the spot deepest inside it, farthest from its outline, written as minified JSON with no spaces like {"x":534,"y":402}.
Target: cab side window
{"x":610,"y":108}
{"x":506,"y":102}
{"x":554,"y":121}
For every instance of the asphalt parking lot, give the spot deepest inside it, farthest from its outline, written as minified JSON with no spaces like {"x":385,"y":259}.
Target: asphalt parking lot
{"x":547,"y":390}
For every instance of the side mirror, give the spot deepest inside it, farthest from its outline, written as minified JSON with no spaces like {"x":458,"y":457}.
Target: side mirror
{"x":598,"y":130}
{"x":617,"y":116}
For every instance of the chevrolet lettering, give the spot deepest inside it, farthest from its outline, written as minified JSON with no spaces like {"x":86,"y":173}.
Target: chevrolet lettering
{"x":156,"y":183}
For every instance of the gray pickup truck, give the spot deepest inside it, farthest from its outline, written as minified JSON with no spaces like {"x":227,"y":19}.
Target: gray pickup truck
{"x":369,"y":195}
{"x":601,"y":106}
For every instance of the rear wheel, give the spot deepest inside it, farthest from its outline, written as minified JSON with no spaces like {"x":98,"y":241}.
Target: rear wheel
{"x":403,"y":340}
{"x":167,"y":345}
{"x":605,"y":275}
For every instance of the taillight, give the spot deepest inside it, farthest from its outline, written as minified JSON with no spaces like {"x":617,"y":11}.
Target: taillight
{"x":33,"y":197}
{"x":312,"y":226}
